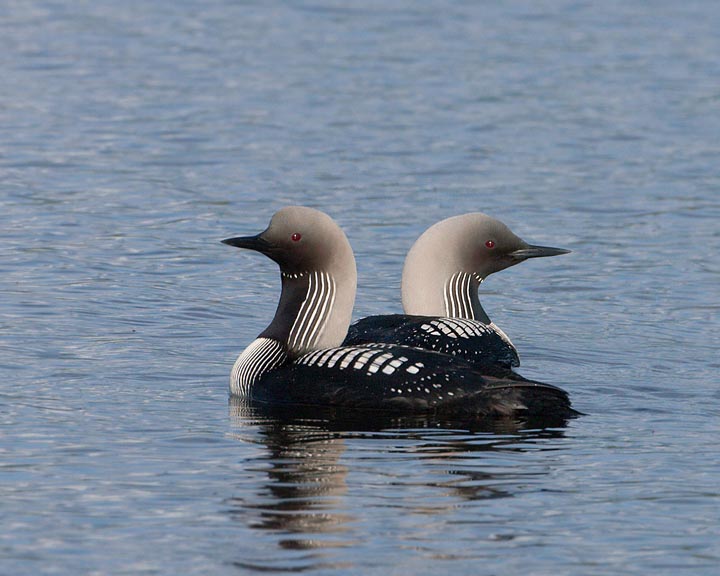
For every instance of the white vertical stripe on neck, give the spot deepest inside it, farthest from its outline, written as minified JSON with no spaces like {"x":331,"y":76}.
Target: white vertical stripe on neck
{"x":458,"y":296}
{"x":454,"y":297}
{"x":314,"y":312}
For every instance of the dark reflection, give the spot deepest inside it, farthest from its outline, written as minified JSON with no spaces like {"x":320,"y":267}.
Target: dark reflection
{"x":333,"y":419}
{"x":305,"y":498}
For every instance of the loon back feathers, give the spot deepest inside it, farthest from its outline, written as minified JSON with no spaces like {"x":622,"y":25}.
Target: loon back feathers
{"x":479,"y":343}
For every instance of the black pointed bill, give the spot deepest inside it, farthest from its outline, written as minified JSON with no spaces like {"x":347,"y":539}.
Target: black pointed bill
{"x":257,"y":243}
{"x":531,"y":251}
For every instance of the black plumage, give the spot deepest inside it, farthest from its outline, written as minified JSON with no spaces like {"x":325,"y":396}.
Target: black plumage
{"x":478,"y":343}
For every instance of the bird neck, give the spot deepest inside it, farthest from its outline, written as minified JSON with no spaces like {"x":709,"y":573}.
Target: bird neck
{"x":451,"y":292}
{"x":460,"y":297}
{"x":314,"y":311}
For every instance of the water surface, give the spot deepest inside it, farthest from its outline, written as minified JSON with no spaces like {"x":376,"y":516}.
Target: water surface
{"x":134,"y":136}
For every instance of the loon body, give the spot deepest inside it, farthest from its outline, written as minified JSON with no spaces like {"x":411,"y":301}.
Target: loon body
{"x":442,"y":273}
{"x":299,"y":359}
{"x":404,"y":379}
{"x":479,"y":343}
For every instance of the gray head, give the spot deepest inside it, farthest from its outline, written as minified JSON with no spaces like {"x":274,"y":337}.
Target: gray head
{"x":318,"y":278}
{"x":446,"y":265}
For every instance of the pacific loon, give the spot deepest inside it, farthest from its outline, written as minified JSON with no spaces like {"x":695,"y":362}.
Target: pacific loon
{"x":298,"y":358}
{"x":441,"y":276}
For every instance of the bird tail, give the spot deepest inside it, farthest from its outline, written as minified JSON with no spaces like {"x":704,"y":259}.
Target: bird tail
{"x":512,"y":394}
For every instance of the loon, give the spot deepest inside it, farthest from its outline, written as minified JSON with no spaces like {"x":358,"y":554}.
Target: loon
{"x":441,"y":276}
{"x":298,"y":359}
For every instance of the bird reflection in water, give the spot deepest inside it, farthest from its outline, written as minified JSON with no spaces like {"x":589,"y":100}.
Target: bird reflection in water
{"x":306,"y":498}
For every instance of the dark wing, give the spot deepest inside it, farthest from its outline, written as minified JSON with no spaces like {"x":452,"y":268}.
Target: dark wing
{"x":478,"y":343}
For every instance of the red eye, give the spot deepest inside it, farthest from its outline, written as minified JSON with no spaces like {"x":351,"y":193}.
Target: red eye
{"x":490,"y":244}
{"x":296,"y":236}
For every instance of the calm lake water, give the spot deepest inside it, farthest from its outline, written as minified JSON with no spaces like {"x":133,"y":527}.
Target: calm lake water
{"x":135,"y":135}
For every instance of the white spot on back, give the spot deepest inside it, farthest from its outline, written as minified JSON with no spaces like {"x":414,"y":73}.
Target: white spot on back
{"x":336,"y":356}
{"x":350,"y":357}
{"x":444,"y":328}
{"x":430,"y":330}
{"x":363,"y":359}
{"x":379,"y":361}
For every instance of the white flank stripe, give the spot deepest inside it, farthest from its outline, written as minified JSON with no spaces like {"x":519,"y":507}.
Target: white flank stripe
{"x":270,"y":360}
{"x":261,"y":356}
{"x":258,"y":363}
{"x":245,"y":364}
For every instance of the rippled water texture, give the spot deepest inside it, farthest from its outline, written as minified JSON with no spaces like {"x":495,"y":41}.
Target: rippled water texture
{"x":135,"y":135}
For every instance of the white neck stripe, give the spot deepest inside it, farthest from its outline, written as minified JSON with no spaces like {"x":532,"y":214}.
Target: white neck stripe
{"x":314,"y":312}
{"x":458,"y":296}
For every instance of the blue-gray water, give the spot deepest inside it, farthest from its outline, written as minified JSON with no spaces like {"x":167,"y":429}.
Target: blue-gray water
{"x":135,"y":135}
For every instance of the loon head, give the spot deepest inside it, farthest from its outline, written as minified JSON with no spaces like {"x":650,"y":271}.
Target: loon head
{"x":319,"y":278}
{"x":447,"y":263}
